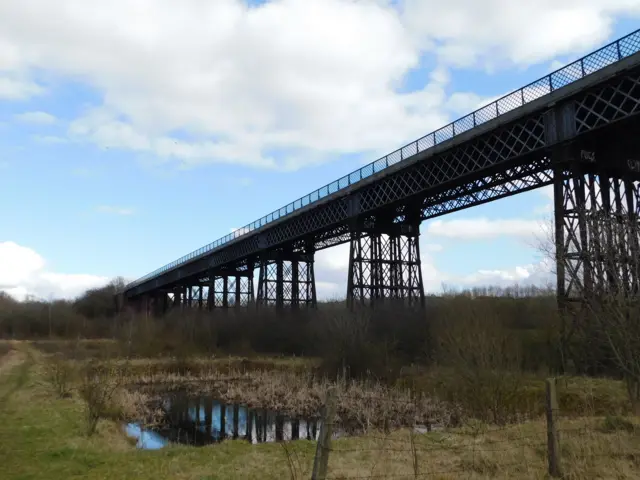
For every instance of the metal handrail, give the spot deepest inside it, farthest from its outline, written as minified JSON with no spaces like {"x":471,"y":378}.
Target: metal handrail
{"x":601,"y":58}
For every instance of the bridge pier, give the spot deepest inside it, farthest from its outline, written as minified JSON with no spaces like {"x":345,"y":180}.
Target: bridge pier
{"x":597,"y":212}
{"x":178,"y":297}
{"x":384,"y":263}
{"x":194,"y":295}
{"x":597,"y":233}
{"x":152,"y":303}
{"x":162,"y":303}
{"x":143,"y":305}
{"x":230,"y":288}
{"x":287,"y":278}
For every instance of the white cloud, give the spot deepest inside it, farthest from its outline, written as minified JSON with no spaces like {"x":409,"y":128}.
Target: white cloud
{"x":555,"y":65}
{"x":115,"y":210}
{"x":334,"y":258}
{"x":431,"y":247}
{"x":545,"y":209}
{"x":329,"y":291}
{"x":538,"y":274}
{"x":547,"y":192}
{"x":18,"y":264}
{"x":23,"y":273}
{"x":493,"y":32}
{"x":462,"y":103}
{"x":17,"y":89}
{"x":268,"y":86}
{"x":38,"y":118}
{"x":483,"y":228}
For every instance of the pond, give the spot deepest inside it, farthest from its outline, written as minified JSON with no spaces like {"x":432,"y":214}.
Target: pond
{"x":202,"y":421}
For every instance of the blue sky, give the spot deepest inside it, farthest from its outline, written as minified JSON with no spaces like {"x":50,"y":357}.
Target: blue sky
{"x":118,"y":155}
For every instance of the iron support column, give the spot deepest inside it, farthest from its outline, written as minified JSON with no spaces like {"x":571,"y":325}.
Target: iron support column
{"x":231,"y":288}
{"x":287,"y":279}
{"x":384,"y":263}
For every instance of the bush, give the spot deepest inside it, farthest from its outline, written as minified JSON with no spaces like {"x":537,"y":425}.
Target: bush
{"x":98,"y":388}
{"x":60,"y":373}
{"x":349,"y":350}
{"x":485,"y":362}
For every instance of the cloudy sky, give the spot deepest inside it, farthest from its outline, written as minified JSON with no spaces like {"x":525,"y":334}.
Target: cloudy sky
{"x":133,"y":132}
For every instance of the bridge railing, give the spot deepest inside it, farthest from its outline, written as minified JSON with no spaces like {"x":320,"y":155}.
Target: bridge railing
{"x":601,"y":58}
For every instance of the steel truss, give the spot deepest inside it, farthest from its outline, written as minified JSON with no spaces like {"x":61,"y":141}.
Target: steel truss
{"x":597,"y":242}
{"x":512,"y":157}
{"x":287,"y":278}
{"x":384,"y":262}
{"x":596,"y":233}
{"x":192,"y":296}
{"x":230,"y":288}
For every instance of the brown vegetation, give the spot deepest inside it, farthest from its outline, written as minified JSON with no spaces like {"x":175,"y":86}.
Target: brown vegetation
{"x":480,"y":351}
{"x":468,"y":359}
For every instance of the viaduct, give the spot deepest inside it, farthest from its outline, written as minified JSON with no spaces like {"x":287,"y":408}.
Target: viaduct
{"x":577,"y":129}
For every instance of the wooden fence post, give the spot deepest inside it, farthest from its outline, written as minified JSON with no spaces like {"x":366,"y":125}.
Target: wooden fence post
{"x":553,"y":439}
{"x":324,"y":440}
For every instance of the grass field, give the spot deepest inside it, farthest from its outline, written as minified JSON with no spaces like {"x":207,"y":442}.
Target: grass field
{"x":42,"y":437}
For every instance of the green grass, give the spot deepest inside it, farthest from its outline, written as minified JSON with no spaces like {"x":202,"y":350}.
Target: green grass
{"x":42,"y":437}
{"x":577,"y":396}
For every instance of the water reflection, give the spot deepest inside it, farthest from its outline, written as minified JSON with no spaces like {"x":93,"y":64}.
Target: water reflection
{"x":146,"y":439}
{"x":202,"y":421}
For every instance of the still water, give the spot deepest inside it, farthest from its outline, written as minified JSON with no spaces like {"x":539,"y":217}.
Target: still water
{"x":201,"y":421}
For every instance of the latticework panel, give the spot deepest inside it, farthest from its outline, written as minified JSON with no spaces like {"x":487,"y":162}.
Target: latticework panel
{"x":192,"y":297}
{"x":384,"y":267}
{"x":171,"y":300}
{"x":230,"y":290}
{"x":286,"y":282}
{"x":515,"y":140}
{"x":604,"y":105}
{"x":498,"y":185}
{"x":597,"y":234}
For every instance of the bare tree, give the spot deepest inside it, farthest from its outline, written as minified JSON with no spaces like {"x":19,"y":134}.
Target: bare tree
{"x":606,"y":284}
{"x":611,"y":292}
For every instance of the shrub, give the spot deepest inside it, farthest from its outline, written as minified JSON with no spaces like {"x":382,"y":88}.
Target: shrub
{"x":348,"y":350}
{"x":485,"y":361}
{"x":98,"y":387}
{"x":60,"y":373}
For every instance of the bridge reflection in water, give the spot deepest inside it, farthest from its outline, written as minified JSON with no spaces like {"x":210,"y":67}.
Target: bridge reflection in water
{"x":202,"y":421}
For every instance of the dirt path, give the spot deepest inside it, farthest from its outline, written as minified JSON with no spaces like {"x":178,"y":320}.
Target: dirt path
{"x":11,"y":359}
